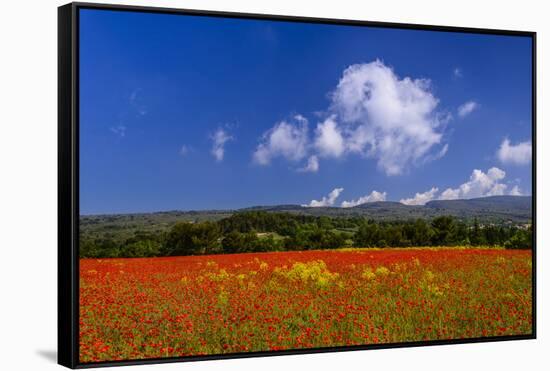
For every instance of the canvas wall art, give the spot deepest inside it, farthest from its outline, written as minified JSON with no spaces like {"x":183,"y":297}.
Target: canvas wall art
{"x":236,"y":185}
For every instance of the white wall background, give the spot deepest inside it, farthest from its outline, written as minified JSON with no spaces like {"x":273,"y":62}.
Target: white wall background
{"x":28,"y":155}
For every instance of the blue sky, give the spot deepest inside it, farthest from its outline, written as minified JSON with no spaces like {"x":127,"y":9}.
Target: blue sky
{"x":187,"y":112}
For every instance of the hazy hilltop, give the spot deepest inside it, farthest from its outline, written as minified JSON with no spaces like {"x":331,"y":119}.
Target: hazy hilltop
{"x":494,"y":209}
{"x":499,"y":210}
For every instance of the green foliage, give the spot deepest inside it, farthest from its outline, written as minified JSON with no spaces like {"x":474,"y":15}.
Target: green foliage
{"x":260,"y":231}
{"x":368,"y":235}
{"x":232,"y":242}
{"x":99,"y":248}
{"x":192,"y":239}
{"x":477,"y":237}
{"x":261,"y":221}
{"x":141,"y":248}
{"x":315,"y":239}
{"x":522,"y":239}
{"x":444,"y":231}
{"x":236,"y":242}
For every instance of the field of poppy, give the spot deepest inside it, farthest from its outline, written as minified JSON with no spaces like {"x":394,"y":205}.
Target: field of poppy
{"x":195,"y":305}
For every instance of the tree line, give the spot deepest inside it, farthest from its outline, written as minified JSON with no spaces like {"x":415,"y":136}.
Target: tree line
{"x":258,"y":231}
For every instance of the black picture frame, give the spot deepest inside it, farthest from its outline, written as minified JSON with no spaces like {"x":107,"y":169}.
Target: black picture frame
{"x":68,"y":180}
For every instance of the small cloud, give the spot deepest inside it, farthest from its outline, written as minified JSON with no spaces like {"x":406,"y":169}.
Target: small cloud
{"x":516,"y":191}
{"x":374,"y":196}
{"x":436,"y":156}
{"x":421,"y":198}
{"x":219,"y":139}
{"x":136,"y":103}
{"x":329,"y":141}
{"x":444,"y":117}
{"x":287,"y":139}
{"x":467,"y":108}
{"x":457,"y":73}
{"x":300,"y":118}
{"x":480,"y":184}
{"x":442,"y":153}
{"x":312,"y":165}
{"x":119,"y":130}
{"x":518,"y":154}
{"x":184,"y":150}
{"x":450,"y":194}
{"x":327,"y":200}
{"x":134,"y":94}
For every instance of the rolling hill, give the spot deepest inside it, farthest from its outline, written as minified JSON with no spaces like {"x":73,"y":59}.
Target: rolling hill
{"x":494,"y":209}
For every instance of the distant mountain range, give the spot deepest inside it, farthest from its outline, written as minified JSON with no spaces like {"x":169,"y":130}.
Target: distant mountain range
{"x":494,"y":209}
{"x":497,"y":209}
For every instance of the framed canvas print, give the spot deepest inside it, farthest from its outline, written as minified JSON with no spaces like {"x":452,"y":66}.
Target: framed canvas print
{"x":235,"y":185}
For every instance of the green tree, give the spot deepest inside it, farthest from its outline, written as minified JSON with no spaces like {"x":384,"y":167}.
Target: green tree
{"x":193,"y":239}
{"x":394,"y":235}
{"x":476,"y":234}
{"x":141,"y":248}
{"x":368,"y":235}
{"x":522,"y":239}
{"x":232,"y":242}
{"x":443,"y":230}
{"x":422,"y":233}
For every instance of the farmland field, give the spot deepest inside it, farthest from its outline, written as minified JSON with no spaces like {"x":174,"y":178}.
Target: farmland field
{"x":195,"y":305}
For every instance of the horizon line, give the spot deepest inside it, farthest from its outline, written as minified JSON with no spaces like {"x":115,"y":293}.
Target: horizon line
{"x":276,"y":205}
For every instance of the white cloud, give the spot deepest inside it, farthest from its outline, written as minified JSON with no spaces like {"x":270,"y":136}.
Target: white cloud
{"x":450,"y":194}
{"x":519,"y":154}
{"x":373,"y":113}
{"x":184,"y":150}
{"x":134,"y":94}
{"x":135,"y":102}
{"x":286,"y":139}
{"x":436,"y":156}
{"x":329,"y":141}
{"x":327,"y":200}
{"x":312,"y":165}
{"x":300,"y":118}
{"x":387,"y":118}
{"x":467,"y":108}
{"x":374,"y":196}
{"x":219,"y":139}
{"x":457,"y":73}
{"x":516,"y":191}
{"x":119,"y":130}
{"x":480,"y":184}
{"x":421,"y":198}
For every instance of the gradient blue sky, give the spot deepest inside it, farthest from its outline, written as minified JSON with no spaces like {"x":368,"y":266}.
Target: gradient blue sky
{"x":156,"y":90}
